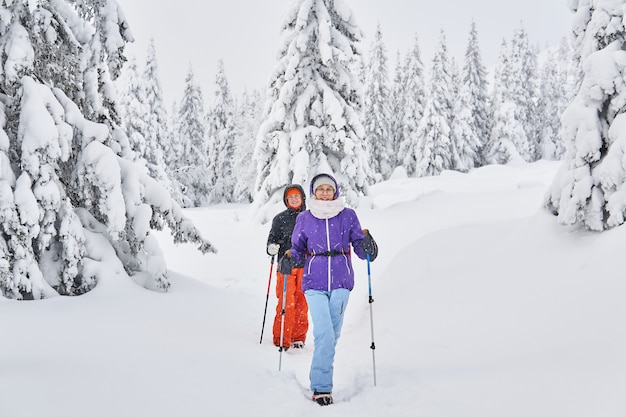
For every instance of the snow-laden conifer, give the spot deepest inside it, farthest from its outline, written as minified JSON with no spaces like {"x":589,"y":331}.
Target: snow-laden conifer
{"x":249,"y":114}
{"x":414,"y":99}
{"x":313,"y":103}
{"x":191,"y":167}
{"x":221,"y":137}
{"x":466,"y":143}
{"x":376,"y":110}
{"x":523,"y":91}
{"x":589,"y":189}
{"x":507,"y":138}
{"x":68,"y":187}
{"x":550,"y":106}
{"x":397,"y":108}
{"x":158,"y":132}
{"x":136,"y":114}
{"x":560,"y":81}
{"x":434,"y":150}
{"x":473,"y":92}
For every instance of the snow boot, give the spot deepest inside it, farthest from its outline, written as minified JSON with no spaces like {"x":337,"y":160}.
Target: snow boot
{"x":284,"y":348}
{"x":297,"y":344}
{"x":322,"y":398}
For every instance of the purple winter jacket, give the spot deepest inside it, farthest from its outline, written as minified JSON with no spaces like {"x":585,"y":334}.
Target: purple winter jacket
{"x":325,"y":246}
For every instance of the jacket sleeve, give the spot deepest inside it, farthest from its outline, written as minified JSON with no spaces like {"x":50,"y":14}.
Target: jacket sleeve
{"x":272,"y":237}
{"x":299,"y":240}
{"x":356,"y":236}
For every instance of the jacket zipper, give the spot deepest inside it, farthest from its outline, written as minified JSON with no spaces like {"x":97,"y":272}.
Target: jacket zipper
{"x":328,"y":249}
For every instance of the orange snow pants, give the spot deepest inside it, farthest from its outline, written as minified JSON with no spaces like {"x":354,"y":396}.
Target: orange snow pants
{"x":296,"y":309}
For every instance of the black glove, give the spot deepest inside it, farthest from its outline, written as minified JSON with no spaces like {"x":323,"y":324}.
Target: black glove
{"x":286,"y":264}
{"x":369,"y":246}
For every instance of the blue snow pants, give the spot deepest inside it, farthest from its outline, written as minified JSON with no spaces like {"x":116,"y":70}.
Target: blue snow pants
{"x":326,"y":309}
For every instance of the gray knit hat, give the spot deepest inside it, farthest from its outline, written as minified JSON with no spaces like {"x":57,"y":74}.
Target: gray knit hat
{"x":324,"y":180}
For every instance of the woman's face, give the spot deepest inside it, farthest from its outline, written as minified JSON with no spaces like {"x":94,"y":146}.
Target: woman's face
{"x":324,"y":192}
{"x":294,"y":201}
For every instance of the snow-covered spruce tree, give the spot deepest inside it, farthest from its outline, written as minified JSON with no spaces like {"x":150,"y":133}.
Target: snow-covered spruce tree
{"x":102,"y":30}
{"x":413,"y":90}
{"x":132,"y":107}
{"x":8,"y":212}
{"x":171,"y":156}
{"x":561,"y":77}
{"x":396,"y":110}
{"x":455,"y":80}
{"x":172,"y":159}
{"x":158,"y":132}
{"x":589,"y":190}
{"x":434,"y":149}
{"x":550,"y":105}
{"x":523,"y":89}
{"x":249,"y":113}
{"x":191,"y":167}
{"x":507,"y":136}
{"x":68,"y":193}
{"x":473,"y":92}
{"x":221,"y":138}
{"x":467,"y":145}
{"x":136,"y":121}
{"x":376,"y":110}
{"x":313,"y":104}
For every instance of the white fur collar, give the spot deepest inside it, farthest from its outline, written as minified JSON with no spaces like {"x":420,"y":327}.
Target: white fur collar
{"x":323,"y":209}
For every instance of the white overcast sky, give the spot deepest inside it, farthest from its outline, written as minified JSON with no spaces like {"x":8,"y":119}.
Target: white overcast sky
{"x":245,"y":33}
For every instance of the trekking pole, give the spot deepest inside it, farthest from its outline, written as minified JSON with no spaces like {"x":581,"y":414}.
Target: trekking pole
{"x":282,"y":321}
{"x":267,"y":297}
{"x":371,"y":301}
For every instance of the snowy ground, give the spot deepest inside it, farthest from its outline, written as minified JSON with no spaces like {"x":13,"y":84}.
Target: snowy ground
{"x":484,"y":307}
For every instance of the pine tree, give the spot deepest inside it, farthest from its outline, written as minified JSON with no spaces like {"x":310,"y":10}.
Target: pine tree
{"x":397,"y":110}
{"x":101,"y":61}
{"x":523,"y":87}
{"x":132,"y":107}
{"x":221,"y":138}
{"x":172,"y":159}
{"x":376,"y":111}
{"x":191,"y":168}
{"x":550,"y":105}
{"x":589,"y":189}
{"x":313,"y":104}
{"x":466,"y":143}
{"x":143,"y":116}
{"x":507,"y":139}
{"x":133,"y":112}
{"x":8,"y":213}
{"x":455,"y":81}
{"x":249,"y":116}
{"x":157,"y":133}
{"x":173,"y":153}
{"x":414,"y":98}
{"x":63,"y":157}
{"x":434,"y":150}
{"x":469,"y":125}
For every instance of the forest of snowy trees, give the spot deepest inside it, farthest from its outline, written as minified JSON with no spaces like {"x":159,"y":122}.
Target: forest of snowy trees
{"x":89,"y":150}
{"x":357,"y":118}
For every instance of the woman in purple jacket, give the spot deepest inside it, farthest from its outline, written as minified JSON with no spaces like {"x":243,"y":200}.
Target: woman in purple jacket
{"x":322,"y":237}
